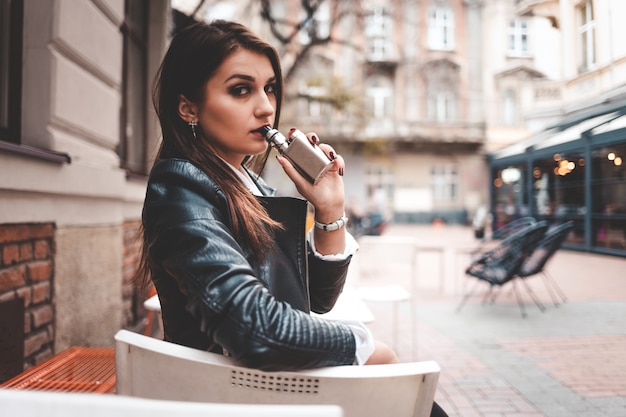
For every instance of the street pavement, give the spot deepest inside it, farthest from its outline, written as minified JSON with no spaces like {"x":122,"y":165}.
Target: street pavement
{"x":569,"y":360}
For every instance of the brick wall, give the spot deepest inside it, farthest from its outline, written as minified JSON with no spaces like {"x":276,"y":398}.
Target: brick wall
{"x":133,"y":296}
{"x":27,"y":272}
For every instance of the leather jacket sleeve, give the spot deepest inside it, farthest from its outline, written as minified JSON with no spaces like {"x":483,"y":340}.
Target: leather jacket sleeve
{"x":191,"y":251}
{"x":325,"y":287}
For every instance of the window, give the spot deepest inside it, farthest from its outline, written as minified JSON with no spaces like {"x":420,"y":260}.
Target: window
{"x":559,"y":185}
{"x":379,"y":180}
{"x":518,"y":37}
{"x":444,"y":183}
{"x":586,"y":33}
{"x":11,"y":16}
{"x":509,"y":108}
{"x":442,"y":85}
{"x":318,"y":27}
{"x":378,"y":31}
{"x":608,"y":196}
{"x":441,"y":106}
{"x":133,"y":141}
{"x":379,"y":97}
{"x":312,"y":102}
{"x":510,"y":198}
{"x":441,"y":28}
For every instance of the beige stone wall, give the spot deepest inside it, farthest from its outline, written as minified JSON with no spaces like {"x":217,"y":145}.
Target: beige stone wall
{"x":88,"y":287}
{"x":71,"y":99}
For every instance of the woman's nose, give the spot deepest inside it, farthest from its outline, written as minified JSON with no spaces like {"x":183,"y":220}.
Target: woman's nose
{"x":265,"y":106}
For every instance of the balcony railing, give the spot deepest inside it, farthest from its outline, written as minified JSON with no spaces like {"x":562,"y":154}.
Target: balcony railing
{"x":423,"y":131}
{"x":544,"y":8}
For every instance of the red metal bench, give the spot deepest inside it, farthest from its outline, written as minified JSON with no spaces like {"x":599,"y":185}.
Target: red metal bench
{"x":77,"y":369}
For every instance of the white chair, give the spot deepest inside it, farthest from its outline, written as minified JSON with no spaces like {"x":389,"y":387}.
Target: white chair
{"x":25,"y":403}
{"x":153,"y":307}
{"x":151,"y":368}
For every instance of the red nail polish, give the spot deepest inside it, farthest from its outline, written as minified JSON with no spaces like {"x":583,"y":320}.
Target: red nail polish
{"x":332,"y":156}
{"x":341,"y":172}
{"x":315,"y":139}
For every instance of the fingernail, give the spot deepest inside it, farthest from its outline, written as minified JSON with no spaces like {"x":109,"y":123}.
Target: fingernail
{"x":341,"y":172}
{"x":332,"y":156}
{"x":315,"y":139}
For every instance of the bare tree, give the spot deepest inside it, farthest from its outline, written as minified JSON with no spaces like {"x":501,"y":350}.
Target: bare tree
{"x":303,"y":22}
{"x":288,"y":31}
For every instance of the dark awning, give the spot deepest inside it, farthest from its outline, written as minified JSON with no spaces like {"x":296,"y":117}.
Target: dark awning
{"x":600,"y":119}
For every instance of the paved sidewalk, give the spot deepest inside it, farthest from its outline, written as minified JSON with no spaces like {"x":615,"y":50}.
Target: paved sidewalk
{"x":567,"y":361}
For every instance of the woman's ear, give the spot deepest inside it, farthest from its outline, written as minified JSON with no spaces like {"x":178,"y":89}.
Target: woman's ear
{"x":187,"y":110}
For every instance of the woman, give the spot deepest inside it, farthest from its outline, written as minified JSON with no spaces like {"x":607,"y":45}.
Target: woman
{"x":230,"y":262}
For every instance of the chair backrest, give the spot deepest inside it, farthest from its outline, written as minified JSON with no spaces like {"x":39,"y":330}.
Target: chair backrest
{"x":512,"y":227}
{"x":489,"y":242}
{"x":151,"y":368}
{"x":547,"y":246}
{"x":29,"y":403}
{"x":502,"y":263}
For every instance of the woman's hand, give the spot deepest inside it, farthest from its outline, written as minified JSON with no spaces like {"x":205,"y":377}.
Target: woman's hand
{"x":328,"y":194}
{"x":327,"y":197}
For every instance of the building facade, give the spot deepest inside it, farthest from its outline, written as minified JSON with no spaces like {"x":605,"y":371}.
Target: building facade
{"x":438,"y":97}
{"x":76,"y":138}
{"x":570,"y":165}
{"x":438,"y":107}
{"x":398,"y":94}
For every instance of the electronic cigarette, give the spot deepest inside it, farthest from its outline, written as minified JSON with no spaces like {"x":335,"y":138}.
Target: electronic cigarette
{"x":310,"y":161}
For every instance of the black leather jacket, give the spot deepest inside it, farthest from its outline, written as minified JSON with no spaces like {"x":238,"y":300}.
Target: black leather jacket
{"x":211,"y":294}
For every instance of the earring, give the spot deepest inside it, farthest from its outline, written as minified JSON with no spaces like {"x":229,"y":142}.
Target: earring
{"x":193,"y":125}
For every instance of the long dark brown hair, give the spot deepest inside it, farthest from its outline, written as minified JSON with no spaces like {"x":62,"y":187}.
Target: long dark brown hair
{"x":194,"y":55}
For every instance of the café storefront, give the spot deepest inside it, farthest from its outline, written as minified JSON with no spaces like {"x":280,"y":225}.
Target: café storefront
{"x":572,"y":171}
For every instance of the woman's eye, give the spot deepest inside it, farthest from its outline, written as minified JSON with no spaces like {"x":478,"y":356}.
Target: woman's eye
{"x":270,"y":89}
{"x":240,"y":90}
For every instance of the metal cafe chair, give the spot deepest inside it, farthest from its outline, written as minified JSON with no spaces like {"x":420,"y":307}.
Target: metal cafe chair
{"x":500,"y":265}
{"x":501,"y":233}
{"x":535,"y":263}
{"x":512,"y":227}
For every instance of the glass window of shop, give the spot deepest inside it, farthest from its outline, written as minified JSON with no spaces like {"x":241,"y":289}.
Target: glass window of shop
{"x":558,"y":191}
{"x":510,"y":197}
{"x":608,"y":190}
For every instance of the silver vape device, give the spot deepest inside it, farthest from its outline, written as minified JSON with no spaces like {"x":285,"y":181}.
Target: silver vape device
{"x":310,"y":161}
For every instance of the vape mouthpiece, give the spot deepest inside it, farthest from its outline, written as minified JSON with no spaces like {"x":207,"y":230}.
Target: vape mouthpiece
{"x":274,"y":137}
